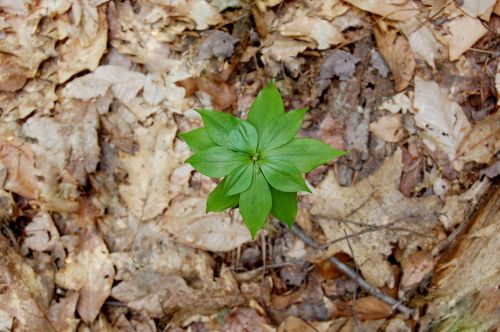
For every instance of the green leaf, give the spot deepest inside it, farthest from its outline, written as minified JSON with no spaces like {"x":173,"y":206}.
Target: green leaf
{"x":284,"y":206}
{"x":217,"y":161}
{"x":219,"y":125}
{"x":283,"y":176}
{"x":244,"y":137}
{"x":267,"y":105}
{"x":281,"y":130}
{"x":197,"y":139}
{"x":304,"y":153}
{"x":218,"y":201}
{"x":240,"y":179}
{"x":255,"y":203}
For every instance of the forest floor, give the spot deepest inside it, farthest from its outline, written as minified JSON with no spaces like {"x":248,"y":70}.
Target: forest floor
{"x":103,"y":225}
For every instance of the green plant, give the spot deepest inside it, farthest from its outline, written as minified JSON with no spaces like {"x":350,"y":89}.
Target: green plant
{"x":260,"y":159}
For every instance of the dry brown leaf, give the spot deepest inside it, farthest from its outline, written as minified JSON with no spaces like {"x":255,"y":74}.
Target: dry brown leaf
{"x":263,"y":4}
{"x":62,"y":313}
{"x":23,"y":297}
{"x":188,"y":222}
{"x":41,"y":233}
{"x":483,"y":141}
{"x":418,"y":266}
{"x":398,"y":55}
{"x":323,"y":33}
{"x":443,"y":121}
{"x":376,"y":203}
{"x":17,"y":158}
{"x":397,"y":103}
{"x":163,"y":277}
{"x":149,"y":190}
{"x":464,"y":31}
{"x":90,"y":271}
{"x":125,"y":84}
{"x":476,"y":8}
{"x":388,"y":128}
{"x":398,"y":12}
{"x":82,"y":51}
{"x":424,"y":45}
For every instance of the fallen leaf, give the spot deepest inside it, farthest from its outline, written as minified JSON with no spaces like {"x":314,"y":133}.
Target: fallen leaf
{"x":321,"y":32}
{"x":443,"y":121}
{"x":23,"y":296}
{"x":18,"y":160}
{"x":464,"y":31}
{"x":124,"y":84}
{"x":397,"y":54}
{"x":89,"y":271}
{"x":62,"y":313}
{"x":476,"y":8}
{"x":41,"y":233}
{"x":424,"y":45}
{"x":388,"y":128}
{"x":398,"y":12}
{"x":418,"y":266}
{"x":188,"y":222}
{"x":367,"y":308}
{"x":374,"y":203}
{"x":77,"y":54}
{"x":148,"y":190}
{"x":397,"y":103}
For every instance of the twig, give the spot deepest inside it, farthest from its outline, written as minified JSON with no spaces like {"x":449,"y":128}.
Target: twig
{"x":355,"y":276}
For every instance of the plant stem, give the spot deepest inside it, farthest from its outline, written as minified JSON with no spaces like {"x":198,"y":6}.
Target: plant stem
{"x":355,"y":276}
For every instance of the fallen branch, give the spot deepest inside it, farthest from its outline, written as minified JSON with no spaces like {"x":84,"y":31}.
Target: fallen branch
{"x":395,"y":304}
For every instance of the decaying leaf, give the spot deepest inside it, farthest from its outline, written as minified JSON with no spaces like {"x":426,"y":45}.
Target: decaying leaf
{"x":23,"y":297}
{"x":398,"y":55}
{"x":125,"y":84}
{"x":399,"y":12}
{"x":188,"y":222}
{"x":388,"y":128}
{"x":476,"y":8}
{"x":483,"y":142}
{"x":62,"y":313}
{"x":41,"y":233}
{"x":18,"y":160}
{"x":380,"y":213}
{"x":443,"y":121}
{"x":90,"y":271}
{"x":315,"y":29}
{"x":464,"y":31}
{"x":148,"y":190}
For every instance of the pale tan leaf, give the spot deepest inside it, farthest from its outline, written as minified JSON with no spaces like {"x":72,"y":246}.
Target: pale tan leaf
{"x":188,"y":222}
{"x":398,"y":12}
{"x":323,"y":33}
{"x":23,"y":296}
{"x":464,"y":31}
{"x":476,"y":8}
{"x":124,"y":84}
{"x":62,"y":313}
{"x":202,"y":13}
{"x":148,"y":191}
{"x":388,"y":128}
{"x":483,"y":142}
{"x":398,"y":55}
{"x":41,"y":233}
{"x":424,"y":45}
{"x":397,"y":103}
{"x":443,"y":121}
{"x":90,"y":271}
{"x":19,"y":161}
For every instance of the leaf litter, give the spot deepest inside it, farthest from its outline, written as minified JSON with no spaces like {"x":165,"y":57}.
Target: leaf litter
{"x":103,"y":225}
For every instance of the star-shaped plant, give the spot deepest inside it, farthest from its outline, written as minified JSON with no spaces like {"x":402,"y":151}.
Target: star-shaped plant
{"x":260,"y":159}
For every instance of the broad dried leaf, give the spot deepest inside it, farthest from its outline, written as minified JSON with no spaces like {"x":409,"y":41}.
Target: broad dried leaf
{"x":90,"y":271}
{"x":483,"y":141}
{"x":23,"y":296}
{"x":443,"y":121}
{"x":62,"y":313}
{"x":321,"y":32}
{"x":187,"y":221}
{"x":125,"y":84}
{"x":149,"y":190}
{"x":464,"y":31}
{"x":476,"y":8}
{"x":397,"y":12}
{"x":398,"y":55}
{"x":17,"y":158}
{"x":424,"y":45}
{"x":388,"y":128}
{"x":377,"y":204}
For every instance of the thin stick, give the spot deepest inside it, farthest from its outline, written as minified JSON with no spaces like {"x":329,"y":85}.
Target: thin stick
{"x":355,"y":276}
